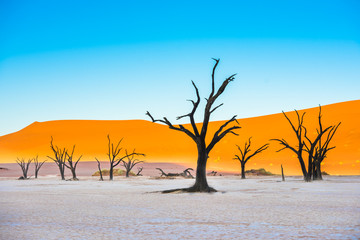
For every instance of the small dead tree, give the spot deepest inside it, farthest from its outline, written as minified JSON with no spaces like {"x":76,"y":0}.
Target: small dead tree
{"x":199,"y":135}
{"x":245,"y":155}
{"x":282,"y":174}
{"x":99,"y":167}
{"x":130,"y":163}
{"x":113,"y":155}
{"x":38,"y":165}
{"x":59,"y":158}
{"x":186,"y":174}
{"x":24,"y":167}
{"x":71,"y":164}
{"x":139,"y":171}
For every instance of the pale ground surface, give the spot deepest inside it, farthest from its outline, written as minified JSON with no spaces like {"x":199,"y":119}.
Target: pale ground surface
{"x":257,"y":208}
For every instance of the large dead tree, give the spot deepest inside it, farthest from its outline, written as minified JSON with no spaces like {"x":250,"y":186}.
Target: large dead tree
{"x":199,"y":135}
{"x":245,"y":155}
{"x":24,"y":167}
{"x":130,"y":163}
{"x":59,"y":158}
{"x":38,"y":165}
{"x":71,"y":164}
{"x":113,"y":155}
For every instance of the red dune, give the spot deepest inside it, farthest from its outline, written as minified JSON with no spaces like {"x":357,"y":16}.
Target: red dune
{"x":161,"y":144}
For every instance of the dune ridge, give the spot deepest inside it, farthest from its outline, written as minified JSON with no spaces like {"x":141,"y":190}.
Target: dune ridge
{"x":160,"y":144}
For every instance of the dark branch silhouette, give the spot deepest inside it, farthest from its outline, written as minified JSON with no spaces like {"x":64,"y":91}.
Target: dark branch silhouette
{"x":139,"y":171}
{"x":38,"y":165}
{"x":298,"y":150}
{"x":186,"y":174}
{"x":71,"y":164}
{"x":245,"y":155}
{"x":24,"y":167}
{"x":59,"y":158}
{"x":99,"y":167}
{"x":113,"y":155}
{"x":315,"y":149}
{"x":197,"y":136}
{"x":130,"y":163}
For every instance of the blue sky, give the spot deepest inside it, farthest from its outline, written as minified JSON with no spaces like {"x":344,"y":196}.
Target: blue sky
{"x":118,"y":59}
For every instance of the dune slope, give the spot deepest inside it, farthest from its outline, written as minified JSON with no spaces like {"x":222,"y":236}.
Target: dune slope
{"x":159,"y":143}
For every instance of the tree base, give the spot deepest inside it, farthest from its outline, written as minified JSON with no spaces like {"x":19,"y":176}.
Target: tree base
{"x":72,"y":179}
{"x":192,"y":189}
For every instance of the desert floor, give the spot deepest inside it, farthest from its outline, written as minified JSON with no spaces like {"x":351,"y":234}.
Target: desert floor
{"x":254,"y":208}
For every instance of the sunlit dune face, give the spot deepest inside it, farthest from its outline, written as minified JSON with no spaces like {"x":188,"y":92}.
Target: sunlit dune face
{"x":161,"y":144}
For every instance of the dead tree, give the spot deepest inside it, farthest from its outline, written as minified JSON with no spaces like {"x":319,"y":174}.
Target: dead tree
{"x":59,"y":158}
{"x":113,"y":155}
{"x":317,"y":149}
{"x":321,"y":152}
{"x":199,"y":135}
{"x":186,"y":174}
{"x":24,"y":167}
{"x":305,"y":144}
{"x":245,"y":156}
{"x":71,"y":164}
{"x":282,"y":174}
{"x":130,"y":163}
{"x":99,"y":167}
{"x":212,"y":173}
{"x":38,"y":165}
{"x":139,"y":171}
{"x":299,"y":148}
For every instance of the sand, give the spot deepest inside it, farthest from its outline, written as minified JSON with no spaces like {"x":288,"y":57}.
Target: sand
{"x":256,"y":208}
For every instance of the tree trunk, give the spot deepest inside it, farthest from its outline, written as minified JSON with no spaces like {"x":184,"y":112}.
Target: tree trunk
{"x":62,"y":173}
{"x":310,"y":169}
{"x":111,"y":173}
{"x":303,"y":167}
{"x":36,"y":173}
{"x":127,"y":173}
{"x":282,"y":174}
{"x":201,"y":184}
{"x":242,"y":171}
{"x":73,"y":174}
{"x":318,"y":172}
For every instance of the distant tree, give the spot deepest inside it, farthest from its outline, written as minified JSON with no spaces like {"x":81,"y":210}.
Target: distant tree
{"x":59,"y":158}
{"x":186,"y":174}
{"x":130,"y":163}
{"x":38,"y":165}
{"x":113,"y":155}
{"x":199,"y":137}
{"x":245,"y":155}
{"x":139,"y":171}
{"x":24,"y":167}
{"x":71,"y":164}
{"x":99,"y":167}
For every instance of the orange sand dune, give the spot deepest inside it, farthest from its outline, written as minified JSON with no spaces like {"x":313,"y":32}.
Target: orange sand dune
{"x":159,"y":143}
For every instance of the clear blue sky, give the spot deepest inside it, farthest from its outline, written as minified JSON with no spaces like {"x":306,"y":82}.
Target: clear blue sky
{"x":118,"y":59}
